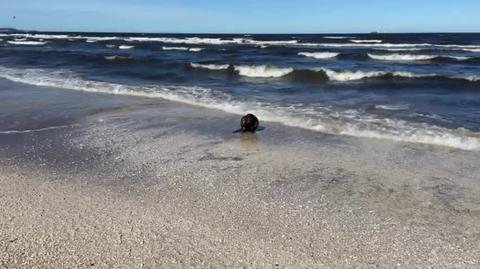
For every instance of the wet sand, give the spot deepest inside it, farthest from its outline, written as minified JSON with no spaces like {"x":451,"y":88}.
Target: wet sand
{"x":91,"y":180}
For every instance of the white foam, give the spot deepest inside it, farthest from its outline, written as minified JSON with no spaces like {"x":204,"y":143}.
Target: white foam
{"x":366,"y":41}
{"x":472,"y":78}
{"x":395,"y":46}
{"x":414,"y":57}
{"x":338,"y":37}
{"x":319,"y":55}
{"x":458,"y":58}
{"x":270,"y":43}
{"x":116,"y":57}
{"x":175,"y":48}
{"x":28,"y":43}
{"x":125,"y":47}
{"x":183,"y":49}
{"x":472,"y":50}
{"x":188,"y":40}
{"x":402,"y":57}
{"x":402,"y":49}
{"x":210,"y":66}
{"x":357,"y":75}
{"x":317,"y":118}
{"x":392,"y":107}
{"x":262,"y":71}
{"x":37,"y":130}
{"x":111,"y":46}
{"x":212,"y":41}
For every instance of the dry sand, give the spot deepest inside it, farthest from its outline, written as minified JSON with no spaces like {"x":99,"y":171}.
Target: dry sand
{"x":132,"y":182}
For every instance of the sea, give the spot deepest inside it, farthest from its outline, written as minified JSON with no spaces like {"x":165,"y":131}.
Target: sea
{"x":420,"y":88}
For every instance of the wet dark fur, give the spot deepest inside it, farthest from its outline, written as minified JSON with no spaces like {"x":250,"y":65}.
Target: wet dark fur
{"x":248,"y":123}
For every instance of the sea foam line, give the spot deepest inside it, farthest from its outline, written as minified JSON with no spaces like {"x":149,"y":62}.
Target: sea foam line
{"x":38,"y":130}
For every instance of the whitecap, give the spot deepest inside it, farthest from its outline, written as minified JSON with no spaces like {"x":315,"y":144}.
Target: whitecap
{"x":125,"y":47}
{"x":262,"y":71}
{"x":338,"y":37}
{"x":116,"y":57}
{"x":210,"y":66}
{"x":346,"y":75}
{"x":366,"y":41}
{"x":319,"y":55}
{"x":402,"y":57}
{"x":28,"y":43}
{"x":183,"y":49}
{"x":392,"y":107}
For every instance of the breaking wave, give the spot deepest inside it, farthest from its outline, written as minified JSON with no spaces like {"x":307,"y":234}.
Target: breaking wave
{"x":417,"y":57}
{"x":392,"y":107}
{"x":125,"y":47}
{"x":319,"y":55}
{"x":366,"y":41}
{"x":314,"y":117}
{"x":338,"y":37}
{"x":262,"y":71}
{"x":183,"y":49}
{"x":117,"y":58}
{"x":353,"y":43}
{"x":28,"y":43}
{"x":210,"y":66}
{"x":402,"y":57}
{"x":326,"y":74}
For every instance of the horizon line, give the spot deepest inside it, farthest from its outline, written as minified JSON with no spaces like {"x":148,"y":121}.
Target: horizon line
{"x":239,"y":33}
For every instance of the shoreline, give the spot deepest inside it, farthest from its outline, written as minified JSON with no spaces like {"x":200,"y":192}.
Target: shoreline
{"x":138,"y":181}
{"x":342,"y":123}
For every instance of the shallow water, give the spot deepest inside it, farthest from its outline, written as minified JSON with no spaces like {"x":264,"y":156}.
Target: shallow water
{"x":409,"y":87}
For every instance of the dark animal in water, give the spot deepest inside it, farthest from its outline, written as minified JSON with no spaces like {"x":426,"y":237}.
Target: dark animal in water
{"x":248,"y":123}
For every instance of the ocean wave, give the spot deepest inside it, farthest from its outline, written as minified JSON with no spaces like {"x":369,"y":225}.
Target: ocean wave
{"x":213,"y":41}
{"x":125,"y":47}
{"x":319,"y":55}
{"x":262,"y":71}
{"x":183,"y":49}
{"x":210,"y":66}
{"x":317,"y":118}
{"x":398,"y":46}
{"x":392,"y":107}
{"x":402,"y":49}
{"x":355,"y":43}
{"x":402,"y":57}
{"x":316,"y":75}
{"x":366,"y":41}
{"x":358,"y":75}
{"x":28,"y":43}
{"x":338,"y":37}
{"x":187,"y":40}
{"x":418,"y":57}
{"x":117,"y":58}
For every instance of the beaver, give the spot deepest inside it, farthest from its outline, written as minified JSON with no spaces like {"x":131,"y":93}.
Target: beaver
{"x":248,"y":123}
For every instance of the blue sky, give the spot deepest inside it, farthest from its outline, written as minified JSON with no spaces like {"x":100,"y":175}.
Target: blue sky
{"x":243,"y":16}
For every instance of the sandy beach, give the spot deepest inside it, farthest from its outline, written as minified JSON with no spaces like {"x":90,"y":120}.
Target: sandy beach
{"x":108,"y":181}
